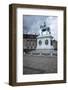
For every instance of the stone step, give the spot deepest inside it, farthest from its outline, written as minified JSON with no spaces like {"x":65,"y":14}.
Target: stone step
{"x":43,"y":52}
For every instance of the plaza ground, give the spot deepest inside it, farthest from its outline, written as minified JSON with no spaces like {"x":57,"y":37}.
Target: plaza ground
{"x":39,"y":64}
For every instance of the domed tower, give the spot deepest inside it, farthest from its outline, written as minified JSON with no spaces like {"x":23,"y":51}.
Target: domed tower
{"x":44,"y":40}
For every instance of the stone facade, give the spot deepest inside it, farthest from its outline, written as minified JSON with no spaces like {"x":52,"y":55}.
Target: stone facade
{"x":29,"y":41}
{"x":44,"y":40}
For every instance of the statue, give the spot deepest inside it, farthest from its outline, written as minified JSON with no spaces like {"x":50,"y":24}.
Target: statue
{"x":45,"y":28}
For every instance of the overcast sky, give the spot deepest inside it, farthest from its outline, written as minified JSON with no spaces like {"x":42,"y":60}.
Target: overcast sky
{"x":31,"y":24}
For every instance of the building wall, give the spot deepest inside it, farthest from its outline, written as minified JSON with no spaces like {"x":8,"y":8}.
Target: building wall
{"x":43,"y":45}
{"x":29,"y":43}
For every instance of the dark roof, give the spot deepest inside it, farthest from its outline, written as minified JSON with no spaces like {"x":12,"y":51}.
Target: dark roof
{"x":30,"y":36}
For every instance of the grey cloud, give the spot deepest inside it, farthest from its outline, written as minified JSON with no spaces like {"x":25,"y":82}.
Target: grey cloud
{"x":31,"y":23}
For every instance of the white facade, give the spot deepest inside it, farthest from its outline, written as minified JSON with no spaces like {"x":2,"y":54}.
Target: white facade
{"x":44,"y":39}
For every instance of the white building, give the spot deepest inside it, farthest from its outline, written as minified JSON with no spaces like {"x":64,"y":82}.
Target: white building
{"x":44,"y":40}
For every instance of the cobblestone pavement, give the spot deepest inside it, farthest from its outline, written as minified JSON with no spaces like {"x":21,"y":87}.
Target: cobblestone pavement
{"x":39,"y":64}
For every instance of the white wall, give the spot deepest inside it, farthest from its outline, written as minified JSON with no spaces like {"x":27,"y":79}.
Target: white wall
{"x":4,"y":44}
{"x":43,"y":45}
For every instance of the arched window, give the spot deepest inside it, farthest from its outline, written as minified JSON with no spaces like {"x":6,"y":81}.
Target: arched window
{"x":40,"y":42}
{"x":51,"y":42}
{"x":46,"y":42}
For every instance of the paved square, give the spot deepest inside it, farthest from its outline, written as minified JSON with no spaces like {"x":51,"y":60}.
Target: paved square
{"x":39,"y":64}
